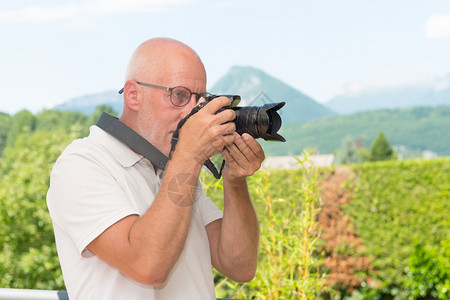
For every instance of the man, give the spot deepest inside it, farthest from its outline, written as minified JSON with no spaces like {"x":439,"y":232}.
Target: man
{"x":125,"y":229}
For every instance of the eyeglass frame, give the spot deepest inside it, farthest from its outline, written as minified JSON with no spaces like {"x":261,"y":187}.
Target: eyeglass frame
{"x":170,"y":89}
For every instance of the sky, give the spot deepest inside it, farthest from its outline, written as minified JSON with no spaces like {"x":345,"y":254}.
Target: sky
{"x":54,"y":50}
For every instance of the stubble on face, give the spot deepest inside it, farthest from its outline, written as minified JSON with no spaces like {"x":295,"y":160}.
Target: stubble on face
{"x":153,"y":125}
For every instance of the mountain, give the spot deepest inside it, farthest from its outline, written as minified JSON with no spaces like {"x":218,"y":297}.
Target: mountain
{"x":432,"y":92}
{"x":87,"y":104}
{"x":256,"y":88}
{"x":415,"y":129}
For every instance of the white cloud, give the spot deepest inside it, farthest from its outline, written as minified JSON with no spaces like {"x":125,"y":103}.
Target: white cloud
{"x":86,"y":9}
{"x":438,"y":26}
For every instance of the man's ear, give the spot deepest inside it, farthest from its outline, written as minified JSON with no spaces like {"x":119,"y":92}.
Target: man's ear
{"x":132,"y":95}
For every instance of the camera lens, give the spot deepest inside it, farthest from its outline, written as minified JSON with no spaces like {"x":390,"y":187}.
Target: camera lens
{"x":259,"y":121}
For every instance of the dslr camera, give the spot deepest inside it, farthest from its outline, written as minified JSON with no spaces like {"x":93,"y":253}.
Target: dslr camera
{"x":258,"y":121}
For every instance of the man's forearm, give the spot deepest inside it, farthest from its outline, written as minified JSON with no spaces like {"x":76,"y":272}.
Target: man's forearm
{"x":167,"y":221}
{"x":239,"y":239}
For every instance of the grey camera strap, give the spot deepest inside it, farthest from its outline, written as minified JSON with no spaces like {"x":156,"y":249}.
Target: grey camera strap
{"x":129,"y":137}
{"x":137,"y":143}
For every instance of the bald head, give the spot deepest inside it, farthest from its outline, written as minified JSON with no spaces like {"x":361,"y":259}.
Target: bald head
{"x":156,"y":59}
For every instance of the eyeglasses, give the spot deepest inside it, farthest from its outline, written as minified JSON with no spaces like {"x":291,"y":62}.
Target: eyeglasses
{"x":179,"y":95}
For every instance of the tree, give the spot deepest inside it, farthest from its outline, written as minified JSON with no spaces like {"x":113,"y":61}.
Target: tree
{"x":380,"y":149}
{"x":348,"y":153}
{"x":93,"y":118}
{"x":28,"y":257}
{"x":5,"y":123}
{"x":23,"y":121}
{"x":54,"y":119}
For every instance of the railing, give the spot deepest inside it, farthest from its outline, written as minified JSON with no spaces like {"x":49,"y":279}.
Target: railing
{"x":22,"y":294}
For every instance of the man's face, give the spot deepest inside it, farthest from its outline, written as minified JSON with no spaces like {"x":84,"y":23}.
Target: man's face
{"x":158,"y":117}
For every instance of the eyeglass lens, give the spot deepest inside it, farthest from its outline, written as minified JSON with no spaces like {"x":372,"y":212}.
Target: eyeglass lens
{"x":180,"y":96}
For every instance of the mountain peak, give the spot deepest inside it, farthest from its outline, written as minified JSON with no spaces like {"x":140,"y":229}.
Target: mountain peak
{"x":247,"y":69}
{"x":253,"y":85}
{"x":250,"y":83}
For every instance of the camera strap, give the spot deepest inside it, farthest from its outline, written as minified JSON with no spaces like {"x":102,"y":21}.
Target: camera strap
{"x":129,"y":137}
{"x":137,"y":143}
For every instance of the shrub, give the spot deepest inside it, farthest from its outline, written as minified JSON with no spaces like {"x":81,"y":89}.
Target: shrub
{"x":28,"y":257}
{"x":429,"y":271}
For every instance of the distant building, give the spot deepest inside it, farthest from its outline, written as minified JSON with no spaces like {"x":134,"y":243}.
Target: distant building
{"x":290,"y":162}
{"x":403,"y":152}
{"x":427,"y":154}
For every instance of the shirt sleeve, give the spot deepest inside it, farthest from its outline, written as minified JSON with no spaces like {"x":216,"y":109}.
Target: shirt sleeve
{"x":84,"y":199}
{"x":209,"y":211}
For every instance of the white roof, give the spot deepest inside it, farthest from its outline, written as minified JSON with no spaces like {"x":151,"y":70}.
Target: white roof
{"x":290,"y":162}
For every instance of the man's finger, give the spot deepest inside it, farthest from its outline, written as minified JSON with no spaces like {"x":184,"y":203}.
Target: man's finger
{"x":217,"y":103}
{"x":254,"y":146}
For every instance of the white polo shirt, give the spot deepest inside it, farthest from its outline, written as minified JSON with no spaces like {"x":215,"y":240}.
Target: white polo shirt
{"x":96,"y":182}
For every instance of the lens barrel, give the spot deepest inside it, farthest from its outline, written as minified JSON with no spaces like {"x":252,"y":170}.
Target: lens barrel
{"x":259,"y":121}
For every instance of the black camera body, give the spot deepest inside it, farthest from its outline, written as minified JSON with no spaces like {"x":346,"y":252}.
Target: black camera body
{"x":258,"y":121}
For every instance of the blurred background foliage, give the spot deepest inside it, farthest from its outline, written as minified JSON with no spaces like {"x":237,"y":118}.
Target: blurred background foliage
{"x":398,"y":209}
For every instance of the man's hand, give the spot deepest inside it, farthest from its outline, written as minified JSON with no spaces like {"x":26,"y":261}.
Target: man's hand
{"x":244,"y":157}
{"x":207,"y":132}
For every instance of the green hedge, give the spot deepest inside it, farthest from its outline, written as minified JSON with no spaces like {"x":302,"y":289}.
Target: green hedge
{"x":395,"y":206}
{"x":429,"y":271}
